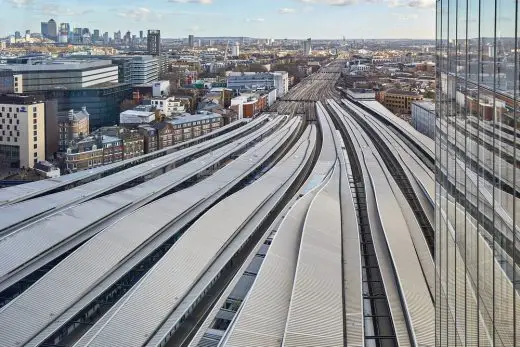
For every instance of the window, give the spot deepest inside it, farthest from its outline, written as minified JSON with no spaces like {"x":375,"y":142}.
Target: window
{"x":35,"y":146}
{"x":16,"y":139}
{"x":35,"y":161}
{"x":35,"y":154}
{"x":34,"y":109}
{"x":35,"y":133}
{"x":35,"y":138}
{"x":35,"y":127}
{"x":35,"y":121}
{"x":17,"y":133}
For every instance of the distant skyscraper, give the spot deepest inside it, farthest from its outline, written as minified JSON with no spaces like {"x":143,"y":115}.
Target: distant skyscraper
{"x":44,"y":29}
{"x":235,"y":50}
{"x":17,"y":35}
{"x":307,"y":47}
{"x":52,"y":29}
{"x":154,"y":42}
{"x":191,"y":41}
{"x":477,"y":243}
{"x":95,"y":36}
{"x":141,"y":35}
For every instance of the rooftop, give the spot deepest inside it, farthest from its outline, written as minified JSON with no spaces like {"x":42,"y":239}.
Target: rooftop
{"x":401,"y":92}
{"x":59,"y":65}
{"x":426,"y":104}
{"x":19,"y":99}
{"x":194,"y":118}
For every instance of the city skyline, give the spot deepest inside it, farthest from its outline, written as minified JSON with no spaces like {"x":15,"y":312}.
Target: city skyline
{"x":296,"y":19}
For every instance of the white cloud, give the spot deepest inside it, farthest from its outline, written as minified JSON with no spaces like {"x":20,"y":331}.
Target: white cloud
{"x":139,"y":14}
{"x":58,"y":10}
{"x":411,"y":3}
{"x":389,"y":3}
{"x":286,"y":10}
{"x":330,"y":2}
{"x":402,"y":17}
{"x":20,"y":3}
{"x":203,"y":2}
{"x":257,"y":20}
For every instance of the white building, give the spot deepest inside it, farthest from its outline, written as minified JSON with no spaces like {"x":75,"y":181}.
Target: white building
{"x":235,"y":50}
{"x":168,"y":106}
{"x":144,"y":69}
{"x":22,"y":131}
{"x":423,"y":117}
{"x":259,"y":81}
{"x":160,"y":89}
{"x":136,"y":117}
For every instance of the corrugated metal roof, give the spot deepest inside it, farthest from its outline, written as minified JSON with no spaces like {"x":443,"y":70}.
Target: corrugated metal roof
{"x":39,"y":237}
{"x":316,"y":310}
{"x":66,"y":283}
{"x":263,"y":315}
{"x":145,"y":309}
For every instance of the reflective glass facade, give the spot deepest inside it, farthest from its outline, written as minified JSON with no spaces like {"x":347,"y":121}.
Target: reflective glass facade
{"x":477,"y":181}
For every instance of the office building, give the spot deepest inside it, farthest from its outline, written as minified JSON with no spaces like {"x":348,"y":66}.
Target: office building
{"x":144,"y":69}
{"x":423,"y":117}
{"x":154,"y":42}
{"x":72,"y":126}
{"x":307,"y":47}
{"x":191,"y":41}
{"x":6,"y":81}
{"x":103,"y":102}
{"x":52,"y":30}
{"x":141,"y":35}
{"x":241,"y":81}
{"x":22,"y":131}
{"x":64,"y":74}
{"x":477,"y":186}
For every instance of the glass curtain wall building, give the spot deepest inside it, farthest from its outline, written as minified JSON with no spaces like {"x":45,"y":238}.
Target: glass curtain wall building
{"x":477,"y":176}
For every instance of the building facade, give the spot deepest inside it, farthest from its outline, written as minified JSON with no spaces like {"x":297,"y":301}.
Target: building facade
{"x":22,"y":131}
{"x":62,"y":74}
{"x":154,"y":42}
{"x":400,"y":101}
{"x":477,"y":185}
{"x":103,"y":102}
{"x":423,"y":117}
{"x":72,"y":126}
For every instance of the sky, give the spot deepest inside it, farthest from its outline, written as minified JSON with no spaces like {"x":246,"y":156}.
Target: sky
{"x":278,"y":19}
